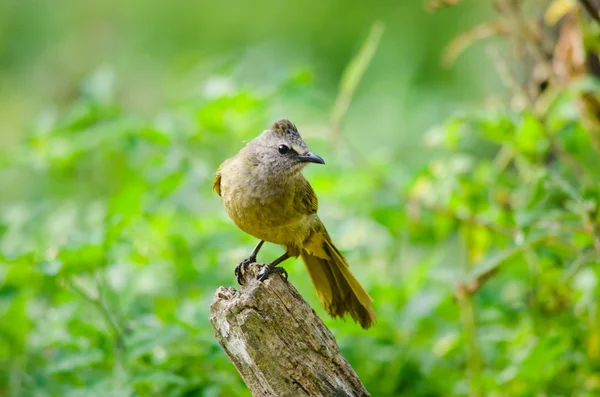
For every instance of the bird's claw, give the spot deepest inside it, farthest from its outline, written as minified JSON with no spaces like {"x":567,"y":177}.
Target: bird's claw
{"x":240,"y":269}
{"x":264,"y":273}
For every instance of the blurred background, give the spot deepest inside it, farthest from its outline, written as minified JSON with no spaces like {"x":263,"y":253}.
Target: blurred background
{"x":461,"y":184}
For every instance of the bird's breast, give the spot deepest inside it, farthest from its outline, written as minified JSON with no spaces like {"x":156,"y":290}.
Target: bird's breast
{"x":263,"y":208}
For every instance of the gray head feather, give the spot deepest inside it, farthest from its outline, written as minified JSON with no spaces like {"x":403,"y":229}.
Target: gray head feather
{"x":268,"y":152}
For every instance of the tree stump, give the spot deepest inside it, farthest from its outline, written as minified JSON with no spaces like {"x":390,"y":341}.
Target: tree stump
{"x":278,"y":343}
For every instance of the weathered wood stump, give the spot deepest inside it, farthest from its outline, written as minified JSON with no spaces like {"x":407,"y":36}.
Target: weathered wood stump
{"x":278,"y":343}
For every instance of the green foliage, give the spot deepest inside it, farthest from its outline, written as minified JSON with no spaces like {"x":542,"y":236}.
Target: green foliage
{"x":483,"y":263}
{"x":110,"y":266}
{"x":108,"y":270}
{"x":521,"y":192}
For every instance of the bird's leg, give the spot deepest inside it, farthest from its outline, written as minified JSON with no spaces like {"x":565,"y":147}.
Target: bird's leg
{"x":272,"y":268}
{"x":241,"y":267}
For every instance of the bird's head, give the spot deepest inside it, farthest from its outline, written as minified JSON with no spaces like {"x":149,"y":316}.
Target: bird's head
{"x":281,"y":147}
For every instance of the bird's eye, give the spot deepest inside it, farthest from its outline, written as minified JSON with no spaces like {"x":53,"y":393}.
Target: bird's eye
{"x":283,"y":149}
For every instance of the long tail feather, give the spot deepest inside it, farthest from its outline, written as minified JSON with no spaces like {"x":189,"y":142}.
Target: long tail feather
{"x":339,"y":291}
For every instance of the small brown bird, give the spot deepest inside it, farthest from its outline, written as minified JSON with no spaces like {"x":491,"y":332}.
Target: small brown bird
{"x":266,"y":195}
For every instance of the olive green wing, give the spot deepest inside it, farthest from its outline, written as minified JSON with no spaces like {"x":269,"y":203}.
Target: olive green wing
{"x":306,"y":198}
{"x":217,"y":180}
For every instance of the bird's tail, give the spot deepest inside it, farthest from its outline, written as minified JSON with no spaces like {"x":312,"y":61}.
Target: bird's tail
{"x":338,"y":290}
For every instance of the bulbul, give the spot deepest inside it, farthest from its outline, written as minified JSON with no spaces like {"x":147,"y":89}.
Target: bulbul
{"x":266,"y":195}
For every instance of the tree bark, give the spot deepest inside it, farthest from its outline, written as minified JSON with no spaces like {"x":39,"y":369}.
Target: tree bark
{"x":278,"y":343}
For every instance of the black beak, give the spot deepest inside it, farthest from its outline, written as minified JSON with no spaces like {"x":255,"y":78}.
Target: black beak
{"x":311,"y":158}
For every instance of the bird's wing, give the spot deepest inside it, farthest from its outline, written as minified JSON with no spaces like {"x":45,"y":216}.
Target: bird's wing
{"x":217,"y":181}
{"x":306,"y":198}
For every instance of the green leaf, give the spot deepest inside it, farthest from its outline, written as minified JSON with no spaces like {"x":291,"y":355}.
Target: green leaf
{"x":71,"y":361}
{"x":494,"y":262}
{"x":157,"y":378}
{"x":531,"y":138}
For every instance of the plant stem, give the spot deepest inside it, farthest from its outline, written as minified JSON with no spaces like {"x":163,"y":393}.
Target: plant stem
{"x":467,"y":316}
{"x":352,"y":76}
{"x":99,"y":304}
{"x":475,"y":360}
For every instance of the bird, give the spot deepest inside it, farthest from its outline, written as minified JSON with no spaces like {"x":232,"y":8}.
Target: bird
{"x":265,"y":194}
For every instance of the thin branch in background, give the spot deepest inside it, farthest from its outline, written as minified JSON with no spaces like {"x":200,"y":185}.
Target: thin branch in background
{"x":592,"y":9}
{"x":508,"y":78}
{"x":16,"y":374}
{"x":435,"y":5}
{"x":534,"y":264}
{"x":99,"y":305}
{"x":545,"y":101}
{"x":571,"y":62}
{"x":504,"y":158}
{"x":103,"y":296}
{"x":536,"y":48}
{"x":475,"y":359}
{"x":591,"y":226}
{"x":540,"y":110}
{"x":590,"y":107}
{"x":578,"y":263}
{"x":561,"y":152}
{"x":585,"y":209}
{"x":484,"y":271}
{"x":416,"y":205}
{"x":523,"y":31}
{"x":352,"y":76}
{"x":463,"y":41}
{"x":467,"y":316}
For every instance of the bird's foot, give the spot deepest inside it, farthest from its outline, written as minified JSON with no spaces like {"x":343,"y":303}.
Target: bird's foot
{"x":264,"y":273}
{"x":240,"y":269}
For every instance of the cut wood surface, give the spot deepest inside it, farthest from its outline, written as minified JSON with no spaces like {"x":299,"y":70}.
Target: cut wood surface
{"x":278,"y":343}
